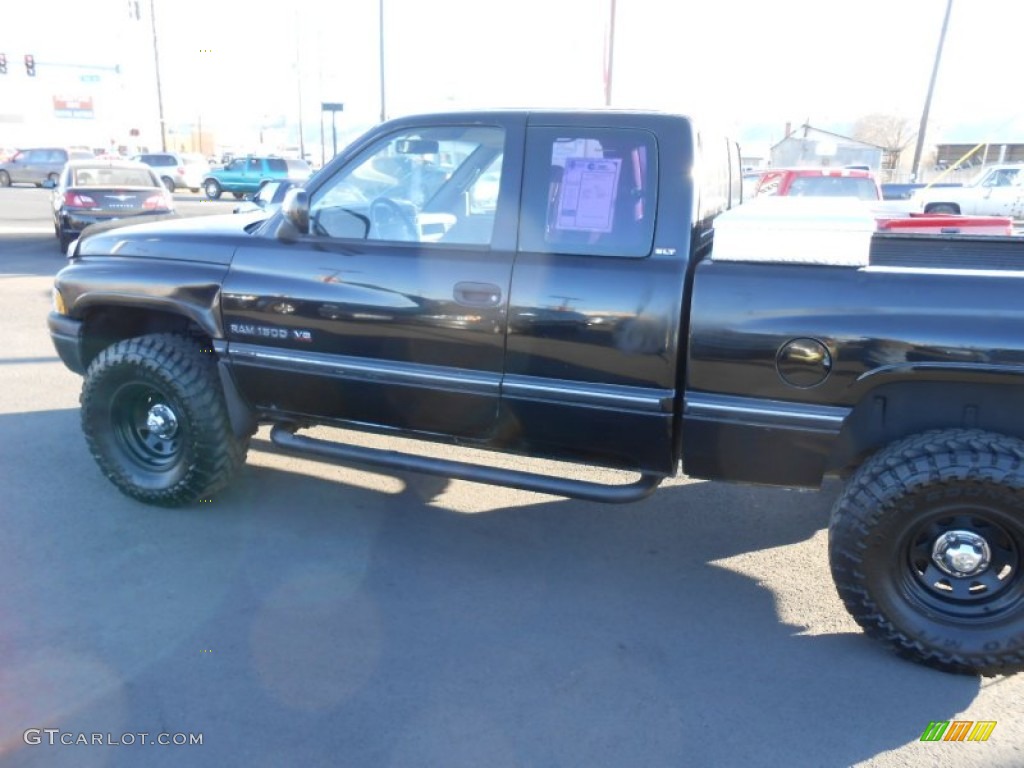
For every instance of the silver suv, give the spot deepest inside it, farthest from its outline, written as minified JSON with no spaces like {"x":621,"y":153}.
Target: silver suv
{"x":34,"y":166}
{"x":177,"y":170}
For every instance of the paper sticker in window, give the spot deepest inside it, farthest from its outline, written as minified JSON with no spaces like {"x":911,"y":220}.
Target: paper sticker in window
{"x":586,"y":201}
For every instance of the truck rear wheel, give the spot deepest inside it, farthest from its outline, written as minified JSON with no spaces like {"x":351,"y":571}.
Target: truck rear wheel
{"x":154,"y":417}
{"x":926,"y":546}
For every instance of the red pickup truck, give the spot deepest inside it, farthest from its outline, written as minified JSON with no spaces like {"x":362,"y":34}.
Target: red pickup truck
{"x":819,"y":182}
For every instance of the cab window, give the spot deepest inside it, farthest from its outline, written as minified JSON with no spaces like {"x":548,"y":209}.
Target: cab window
{"x":431,"y":185}
{"x":589,"y":191}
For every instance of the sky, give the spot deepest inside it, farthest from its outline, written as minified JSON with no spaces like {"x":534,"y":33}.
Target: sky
{"x":751,"y":66}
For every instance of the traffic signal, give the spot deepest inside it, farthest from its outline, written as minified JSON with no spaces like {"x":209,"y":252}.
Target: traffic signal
{"x":3,"y":63}
{"x":30,"y":65}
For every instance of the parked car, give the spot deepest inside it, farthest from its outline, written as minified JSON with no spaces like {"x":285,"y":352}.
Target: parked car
{"x":245,"y":175}
{"x":268,"y":198}
{"x":177,"y":171}
{"x":750,"y":181}
{"x":996,"y":191}
{"x":819,"y":182}
{"x":92,"y":191}
{"x":34,"y":166}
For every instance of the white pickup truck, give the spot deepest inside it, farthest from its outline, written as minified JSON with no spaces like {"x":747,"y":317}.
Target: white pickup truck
{"x":996,"y":191}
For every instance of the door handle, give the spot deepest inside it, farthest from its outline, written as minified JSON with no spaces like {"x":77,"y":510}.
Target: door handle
{"x":477,"y":294}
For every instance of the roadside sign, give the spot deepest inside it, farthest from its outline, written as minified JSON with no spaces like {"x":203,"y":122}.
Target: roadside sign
{"x":71,"y":106}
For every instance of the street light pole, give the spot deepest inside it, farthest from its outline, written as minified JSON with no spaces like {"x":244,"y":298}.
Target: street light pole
{"x":919,"y":147}
{"x":159,"y":93}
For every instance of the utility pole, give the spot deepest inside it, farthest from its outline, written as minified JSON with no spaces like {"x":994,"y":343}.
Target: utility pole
{"x":609,"y":56}
{"x":380,"y":31}
{"x":919,"y":147}
{"x":298,"y":82}
{"x":159,"y":93}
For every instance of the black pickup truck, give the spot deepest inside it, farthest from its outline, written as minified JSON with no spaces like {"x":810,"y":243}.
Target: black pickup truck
{"x":545,"y":283}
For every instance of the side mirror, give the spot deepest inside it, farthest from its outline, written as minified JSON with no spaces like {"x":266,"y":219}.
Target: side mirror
{"x":49,"y":184}
{"x":295,"y":208}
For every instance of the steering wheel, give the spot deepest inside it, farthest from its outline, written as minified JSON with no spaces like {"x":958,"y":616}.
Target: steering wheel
{"x":393,"y":220}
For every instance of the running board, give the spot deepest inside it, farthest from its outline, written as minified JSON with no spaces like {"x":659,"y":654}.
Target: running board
{"x":284,"y":436}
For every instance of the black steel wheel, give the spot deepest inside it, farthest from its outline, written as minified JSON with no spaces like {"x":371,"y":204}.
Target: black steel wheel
{"x":926,"y":546}
{"x":155,"y":420}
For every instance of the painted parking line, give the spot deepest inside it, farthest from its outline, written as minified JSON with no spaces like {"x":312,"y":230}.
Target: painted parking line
{"x":27,"y":229}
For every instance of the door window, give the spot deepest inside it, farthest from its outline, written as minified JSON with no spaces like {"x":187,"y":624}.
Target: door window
{"x":431,"y":185}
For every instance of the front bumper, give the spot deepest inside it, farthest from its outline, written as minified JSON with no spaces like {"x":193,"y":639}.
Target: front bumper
{"x":66,"y":333}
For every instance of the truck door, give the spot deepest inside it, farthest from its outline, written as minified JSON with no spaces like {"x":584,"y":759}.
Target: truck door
{"x":393,"y":309}
{"x":1002,"y":194}
{"x":594,"y":322}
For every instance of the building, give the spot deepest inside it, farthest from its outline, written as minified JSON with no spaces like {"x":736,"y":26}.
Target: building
{"x":808,"y":146}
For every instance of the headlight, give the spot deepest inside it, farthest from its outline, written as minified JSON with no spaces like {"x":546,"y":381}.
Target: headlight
{"x":58,"y":303}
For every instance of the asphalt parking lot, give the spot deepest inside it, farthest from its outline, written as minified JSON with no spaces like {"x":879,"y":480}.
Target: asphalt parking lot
{"x":318,"y":615}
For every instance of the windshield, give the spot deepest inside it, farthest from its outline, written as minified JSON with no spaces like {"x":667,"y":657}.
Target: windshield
{"x":113,"y":177}
{"x":833,"y":186}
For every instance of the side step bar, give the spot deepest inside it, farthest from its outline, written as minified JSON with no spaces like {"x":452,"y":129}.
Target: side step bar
{"x":283,"y":435}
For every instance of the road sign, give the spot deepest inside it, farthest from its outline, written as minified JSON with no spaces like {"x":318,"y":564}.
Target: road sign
{"x":332,"y":106}
{"x":89,"y":78}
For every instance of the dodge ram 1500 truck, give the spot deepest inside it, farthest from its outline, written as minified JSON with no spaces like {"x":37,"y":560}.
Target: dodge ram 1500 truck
{"x":546,"y":283}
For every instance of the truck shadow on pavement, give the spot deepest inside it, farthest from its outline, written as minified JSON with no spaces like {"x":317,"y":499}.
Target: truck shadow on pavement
{"x":301,"y":620}
{"x":35,"y":254}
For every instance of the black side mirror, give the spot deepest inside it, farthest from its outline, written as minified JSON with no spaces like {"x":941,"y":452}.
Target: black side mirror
{"x":295,"y":209}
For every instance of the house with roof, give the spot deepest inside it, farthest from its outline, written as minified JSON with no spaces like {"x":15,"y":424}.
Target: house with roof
{"x":808,"y":146}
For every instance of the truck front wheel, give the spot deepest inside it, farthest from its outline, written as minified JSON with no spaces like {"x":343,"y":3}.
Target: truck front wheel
{"x":155,"y":419}
{"x":926,"y":546}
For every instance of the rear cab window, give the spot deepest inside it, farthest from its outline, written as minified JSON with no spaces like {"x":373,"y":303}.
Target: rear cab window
{"x":589,"y":191}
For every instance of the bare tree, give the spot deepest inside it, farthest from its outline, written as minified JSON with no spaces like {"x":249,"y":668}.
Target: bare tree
{"x":894,"y":133}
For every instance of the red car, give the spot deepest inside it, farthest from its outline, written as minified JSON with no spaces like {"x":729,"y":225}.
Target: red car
{"x":819,"y":182}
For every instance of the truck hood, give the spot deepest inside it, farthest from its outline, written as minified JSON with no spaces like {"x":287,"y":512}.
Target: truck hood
{"x":209,"y":239}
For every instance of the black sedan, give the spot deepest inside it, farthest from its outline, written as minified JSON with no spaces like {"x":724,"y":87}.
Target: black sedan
{"x":91,"y":191}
